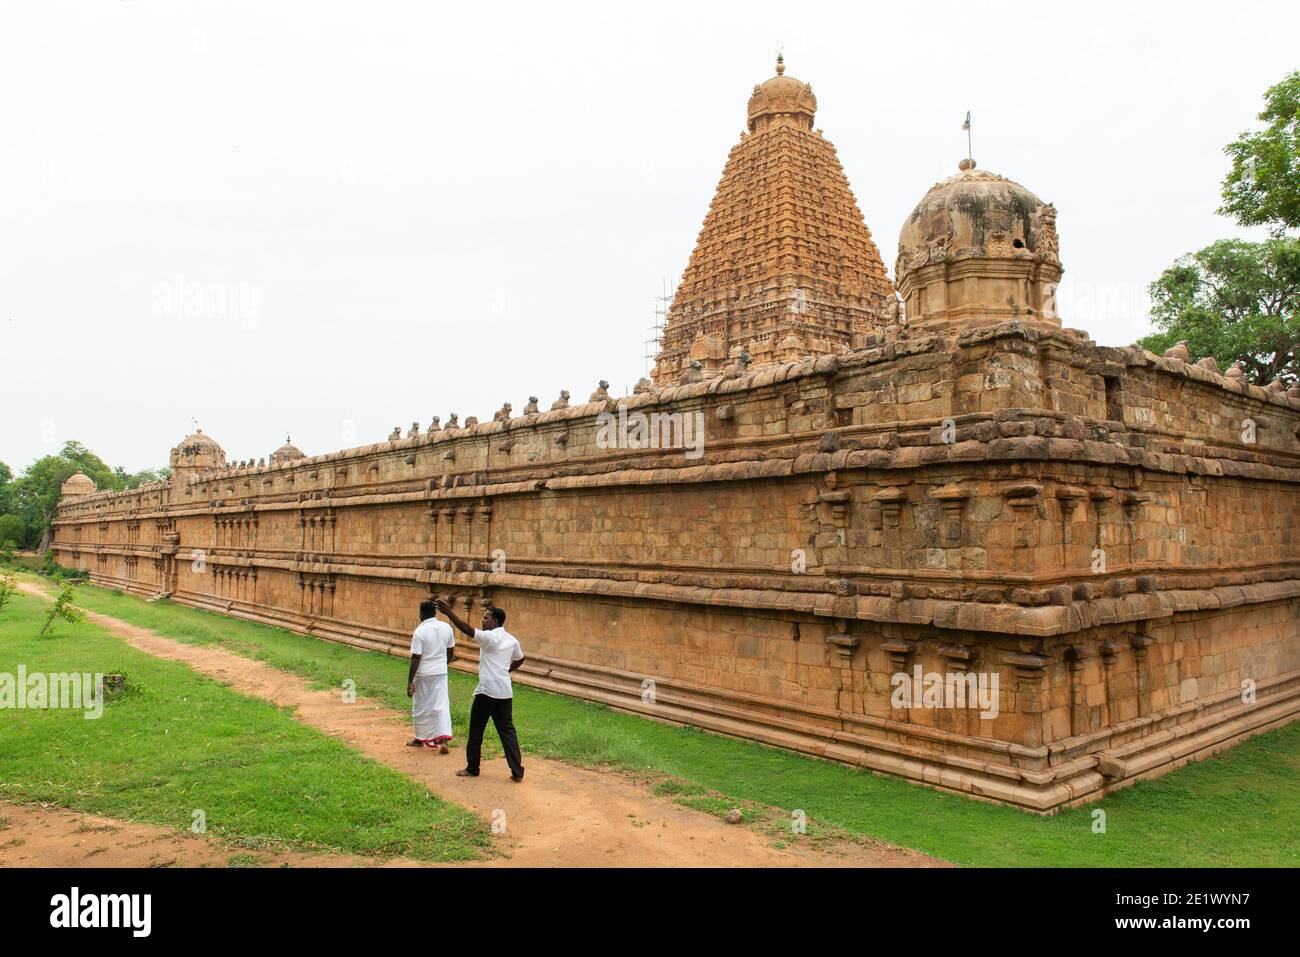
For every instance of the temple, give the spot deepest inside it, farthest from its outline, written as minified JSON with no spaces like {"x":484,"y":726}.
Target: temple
{"x":784,"y":267}
{"x":933,"y":533}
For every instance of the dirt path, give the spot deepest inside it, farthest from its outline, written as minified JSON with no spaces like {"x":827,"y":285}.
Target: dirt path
{"x":39,"y":835}
{"x":561,"y":816}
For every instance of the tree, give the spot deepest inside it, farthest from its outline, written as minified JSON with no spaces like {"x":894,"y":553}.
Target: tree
{"x":1237,"y":301}
{"x":88,"y":463}
{"x":37,"y":490}
{"x":6,"y":488}
{"x":12,"y":531}
{"x":136,"y":479}
{"x":1263,"y":186}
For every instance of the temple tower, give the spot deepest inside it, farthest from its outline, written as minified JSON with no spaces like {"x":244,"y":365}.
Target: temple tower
{"x":287,"y":453}
{"x":196,"y":454}
{"x":978,"y":250}
{"x":77,"y":485}
{"x":784,"y":266}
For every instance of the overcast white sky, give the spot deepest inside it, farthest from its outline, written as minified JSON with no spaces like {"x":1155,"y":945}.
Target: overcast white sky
{"x":423,"y":208}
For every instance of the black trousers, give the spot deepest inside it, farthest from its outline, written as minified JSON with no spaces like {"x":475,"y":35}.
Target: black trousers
{"x":501,"y":711}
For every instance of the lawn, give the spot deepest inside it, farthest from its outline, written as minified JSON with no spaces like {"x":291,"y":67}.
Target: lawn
{"x":175,"y":742}
{"x":1241,"y":808}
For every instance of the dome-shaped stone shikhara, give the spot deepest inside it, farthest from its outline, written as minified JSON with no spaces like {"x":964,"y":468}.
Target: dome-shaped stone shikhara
{"x":78,"y":483}
{"x":287,"y":453}
{"x":782,"y":97}
{"x":978,"y":225}
{"x":196,"y":453}
{"x":198,"y":442}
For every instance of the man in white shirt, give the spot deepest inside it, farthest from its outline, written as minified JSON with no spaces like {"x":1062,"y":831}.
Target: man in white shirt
{"x":498,"y":655}
{"x":433,"y":645}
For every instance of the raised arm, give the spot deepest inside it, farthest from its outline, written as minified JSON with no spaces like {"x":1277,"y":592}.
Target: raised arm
{"x":454,"y":618}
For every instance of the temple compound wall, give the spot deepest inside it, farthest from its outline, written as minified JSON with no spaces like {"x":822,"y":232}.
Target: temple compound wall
{"x":918,"y":527}
{"x":1085,"y":523}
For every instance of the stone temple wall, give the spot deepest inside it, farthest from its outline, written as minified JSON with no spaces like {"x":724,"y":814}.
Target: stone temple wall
{"x":1110,"y":534}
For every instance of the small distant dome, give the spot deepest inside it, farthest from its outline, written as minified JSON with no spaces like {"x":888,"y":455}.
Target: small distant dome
{"x":78,"y":484}
{"x":199,"y":441}
{"x":287,"y":453}
{"x":196,"y":453}
{"x":782,"y":96}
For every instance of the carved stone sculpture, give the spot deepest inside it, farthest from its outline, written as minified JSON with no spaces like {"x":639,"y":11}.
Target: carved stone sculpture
{"x":694,"y":373}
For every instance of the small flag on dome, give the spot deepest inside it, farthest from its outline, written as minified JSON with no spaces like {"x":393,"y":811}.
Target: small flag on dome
{"x":966,"y":125}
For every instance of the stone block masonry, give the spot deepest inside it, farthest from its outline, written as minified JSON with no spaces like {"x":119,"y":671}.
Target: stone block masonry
{"x":852,"y":517}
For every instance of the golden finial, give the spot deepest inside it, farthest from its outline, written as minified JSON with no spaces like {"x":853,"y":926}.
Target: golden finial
{"x":780,"y":64}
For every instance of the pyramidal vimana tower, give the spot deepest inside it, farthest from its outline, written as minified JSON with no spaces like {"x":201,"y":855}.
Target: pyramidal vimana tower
{"x":923,"y":529}
{"x":784,"y":267}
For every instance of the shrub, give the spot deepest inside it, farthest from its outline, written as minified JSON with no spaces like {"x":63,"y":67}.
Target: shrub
{"x":7,"y":590}
{"x":63,"y":608}
{"x":12,"y":531}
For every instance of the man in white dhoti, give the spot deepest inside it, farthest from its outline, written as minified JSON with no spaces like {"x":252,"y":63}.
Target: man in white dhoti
{"x":433,"y":646}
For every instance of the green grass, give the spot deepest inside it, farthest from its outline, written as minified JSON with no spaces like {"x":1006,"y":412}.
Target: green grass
{"x":1239,"y":809}
{"x":176,"y":742}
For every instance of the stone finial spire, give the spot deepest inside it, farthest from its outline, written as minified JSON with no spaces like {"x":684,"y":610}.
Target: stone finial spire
{"x":780,"y":64}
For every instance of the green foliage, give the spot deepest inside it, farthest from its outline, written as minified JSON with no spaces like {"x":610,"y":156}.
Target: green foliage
{"x":7,"y":546}
{"x":1237,"y":301}
{"x":1263,"y":186}
{"x":58,"y":573}
{"x":142,"y":477}
{"x":36,"y":495}
{"x":177,"y":741}
{"x":64,"y":609}
{"x":8,"y":588}
{"x":6,"y":488}
{"x":32,"y":499}
{"x":1197,"y":816}
{"x":12,"y":530}
{"x":85,"y":461}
